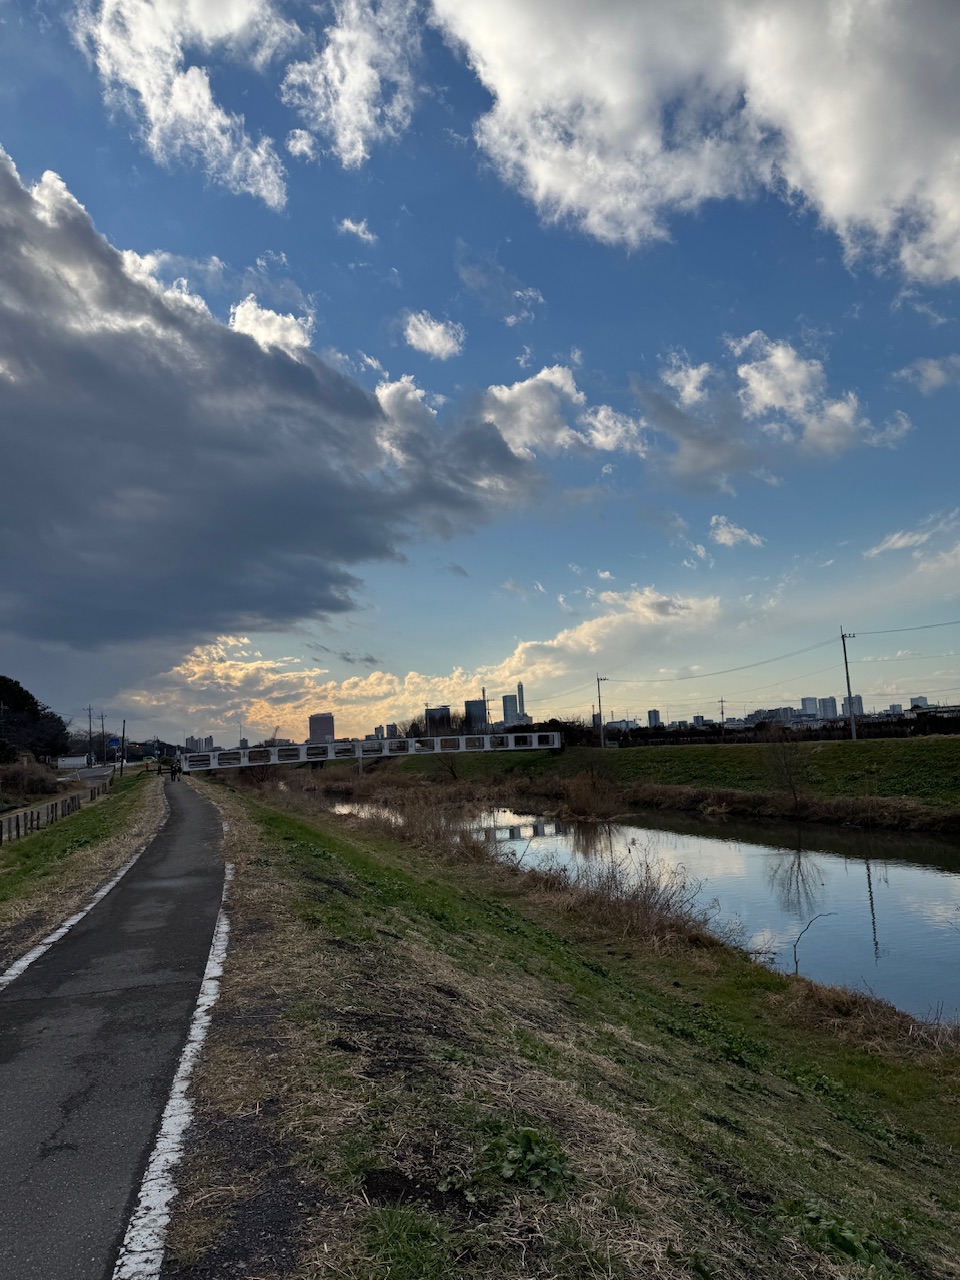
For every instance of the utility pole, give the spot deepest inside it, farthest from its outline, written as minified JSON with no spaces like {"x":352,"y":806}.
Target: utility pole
{"x":89,"y":711}
{"x":103,"y":741}
{"x":123,"y":746}
{"x":600,"y":679}
{"x":723,"y":723}
{"x":844,"y":637}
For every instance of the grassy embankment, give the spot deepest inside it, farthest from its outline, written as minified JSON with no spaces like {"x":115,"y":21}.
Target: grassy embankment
{"x":425,"y":1064}
{"x":45,"y":877}
{"x":909,"y":783}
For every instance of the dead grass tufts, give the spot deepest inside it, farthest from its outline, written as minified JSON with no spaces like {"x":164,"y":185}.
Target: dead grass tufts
{"x":870,"y":1023}
{"x":640,"y":899}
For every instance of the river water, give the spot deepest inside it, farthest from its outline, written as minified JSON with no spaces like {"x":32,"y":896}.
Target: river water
{"x":888,"y":904}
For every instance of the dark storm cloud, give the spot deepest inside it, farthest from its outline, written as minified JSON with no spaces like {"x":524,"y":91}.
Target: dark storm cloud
{"x":164,"y":476}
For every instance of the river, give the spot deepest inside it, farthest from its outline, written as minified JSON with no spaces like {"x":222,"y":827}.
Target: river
{"x":885,"y":907}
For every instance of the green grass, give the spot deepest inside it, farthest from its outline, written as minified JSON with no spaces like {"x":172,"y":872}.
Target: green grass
{"x":25,"y":864}
{"x":925,"y":769}
{"x":769,"y":1134}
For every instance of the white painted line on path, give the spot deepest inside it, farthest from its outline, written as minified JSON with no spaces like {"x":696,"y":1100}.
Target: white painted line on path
{"x":141,"y":1254}
{"x":36,"y":952}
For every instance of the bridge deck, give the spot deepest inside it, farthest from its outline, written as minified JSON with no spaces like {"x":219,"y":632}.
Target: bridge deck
{"x":370,"y":749}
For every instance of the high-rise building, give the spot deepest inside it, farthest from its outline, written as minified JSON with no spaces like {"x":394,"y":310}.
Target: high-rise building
{"x":653,"y":719}
{"x":321,"y":727}
{"x":244,"y":744}
{"x":827,"y":708}
{"x":475,"y":714}
{"x":808,"y":706}
{"x":392,"y":731}
{"x":857,"y":705}
{"x":919,"y":701}
{"x":520,"y":710}
{"x":511,"y":710}
{"x":896,"y":708}
{"x":208,"y":744}
{"x":193,"y":744}
{"x":437,"y":720}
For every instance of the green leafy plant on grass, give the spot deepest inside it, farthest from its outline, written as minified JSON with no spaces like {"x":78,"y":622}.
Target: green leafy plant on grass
{"x":825,"y":1231}
{"x":528,"y":1159}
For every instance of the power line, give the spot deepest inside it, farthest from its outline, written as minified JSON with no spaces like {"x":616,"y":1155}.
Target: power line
{"x":706,"y":675}
{"x":926,"y":626}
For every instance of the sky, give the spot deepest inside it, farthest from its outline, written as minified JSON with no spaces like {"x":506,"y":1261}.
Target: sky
{"x":357,"y":356}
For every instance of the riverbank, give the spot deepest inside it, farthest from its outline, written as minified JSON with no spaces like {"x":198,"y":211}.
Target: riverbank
{"x":425,"y":1064}
{"x":910,"y":784}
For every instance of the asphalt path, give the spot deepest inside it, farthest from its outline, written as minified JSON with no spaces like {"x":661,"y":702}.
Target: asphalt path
{"x":90,"y":1037}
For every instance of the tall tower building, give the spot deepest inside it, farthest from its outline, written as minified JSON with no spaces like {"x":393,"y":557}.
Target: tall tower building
{"x":321,"y":727}
{"x":653,"y":719}
{"x":520,"y":710}
{"x":510,"y":709}
{"x":808,"y":706}
{"x":827,"y":708}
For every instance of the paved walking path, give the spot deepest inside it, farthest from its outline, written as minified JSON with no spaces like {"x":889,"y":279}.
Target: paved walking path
{"x":90,"y":1037}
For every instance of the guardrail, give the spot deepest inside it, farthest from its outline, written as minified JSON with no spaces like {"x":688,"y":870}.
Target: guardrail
{"x":17,"y":826}
{"x":370,"y":749}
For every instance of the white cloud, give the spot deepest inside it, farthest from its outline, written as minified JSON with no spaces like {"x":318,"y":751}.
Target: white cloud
{"x":301,"y":143}
{"x":617,"y":115}
{"x":932,"y":374}
{"x":139,"y":48}
{"x":359,"y":89}
{"x":728,"y":534}
{"x":439,"y":339}
{"x":610,"y":431}
{"x":686,"y":379}
{"x":271,"y":329}
{"x":780,"y":384}
{"x":535,"y":415}
{"x":358,"y":229}
{"x":531,"y":415}
{"x":910,"y":539}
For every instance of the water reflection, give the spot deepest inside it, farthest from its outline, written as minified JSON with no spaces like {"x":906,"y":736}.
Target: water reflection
{"x":888,"y":905}
{"x":796,"y":877}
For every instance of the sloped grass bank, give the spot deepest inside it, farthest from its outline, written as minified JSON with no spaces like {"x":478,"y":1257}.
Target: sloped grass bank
{"x":419,"y":1068}
{"x":910,"y":783}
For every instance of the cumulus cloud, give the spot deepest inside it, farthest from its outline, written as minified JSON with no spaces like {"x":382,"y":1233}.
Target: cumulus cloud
{"x":629,"y":113}
{"x":439,"y":339}
{"x":358,"y":229}
{"x":534,"y":416}
{"x":930,"y":374}
{"x":269,"y":328}
{"x":359,"y":88}
{"x":722,"y":421}
{"x":728,"y":534}
{"x":225,"y":679}
{"x":140,"y":51}
{"x":301,"y":143}
{"x":208,"y":478}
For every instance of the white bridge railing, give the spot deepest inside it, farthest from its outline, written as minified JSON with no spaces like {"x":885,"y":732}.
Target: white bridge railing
{"x":369,"y":749}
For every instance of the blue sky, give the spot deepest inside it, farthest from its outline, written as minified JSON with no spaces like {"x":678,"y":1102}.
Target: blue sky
{"x":355,"y":356}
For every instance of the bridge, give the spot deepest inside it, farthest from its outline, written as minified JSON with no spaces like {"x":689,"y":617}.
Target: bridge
{"x":369,"y":749}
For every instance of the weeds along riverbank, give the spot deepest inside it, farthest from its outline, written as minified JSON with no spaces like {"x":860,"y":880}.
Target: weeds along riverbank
{"x":895,"y":784}
{"x":426,"y":1063}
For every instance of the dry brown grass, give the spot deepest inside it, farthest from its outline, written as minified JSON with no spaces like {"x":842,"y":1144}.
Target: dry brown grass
{"x":26,"y":919}
{"x":865,"y":1020}
{"x":638,"y":899}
